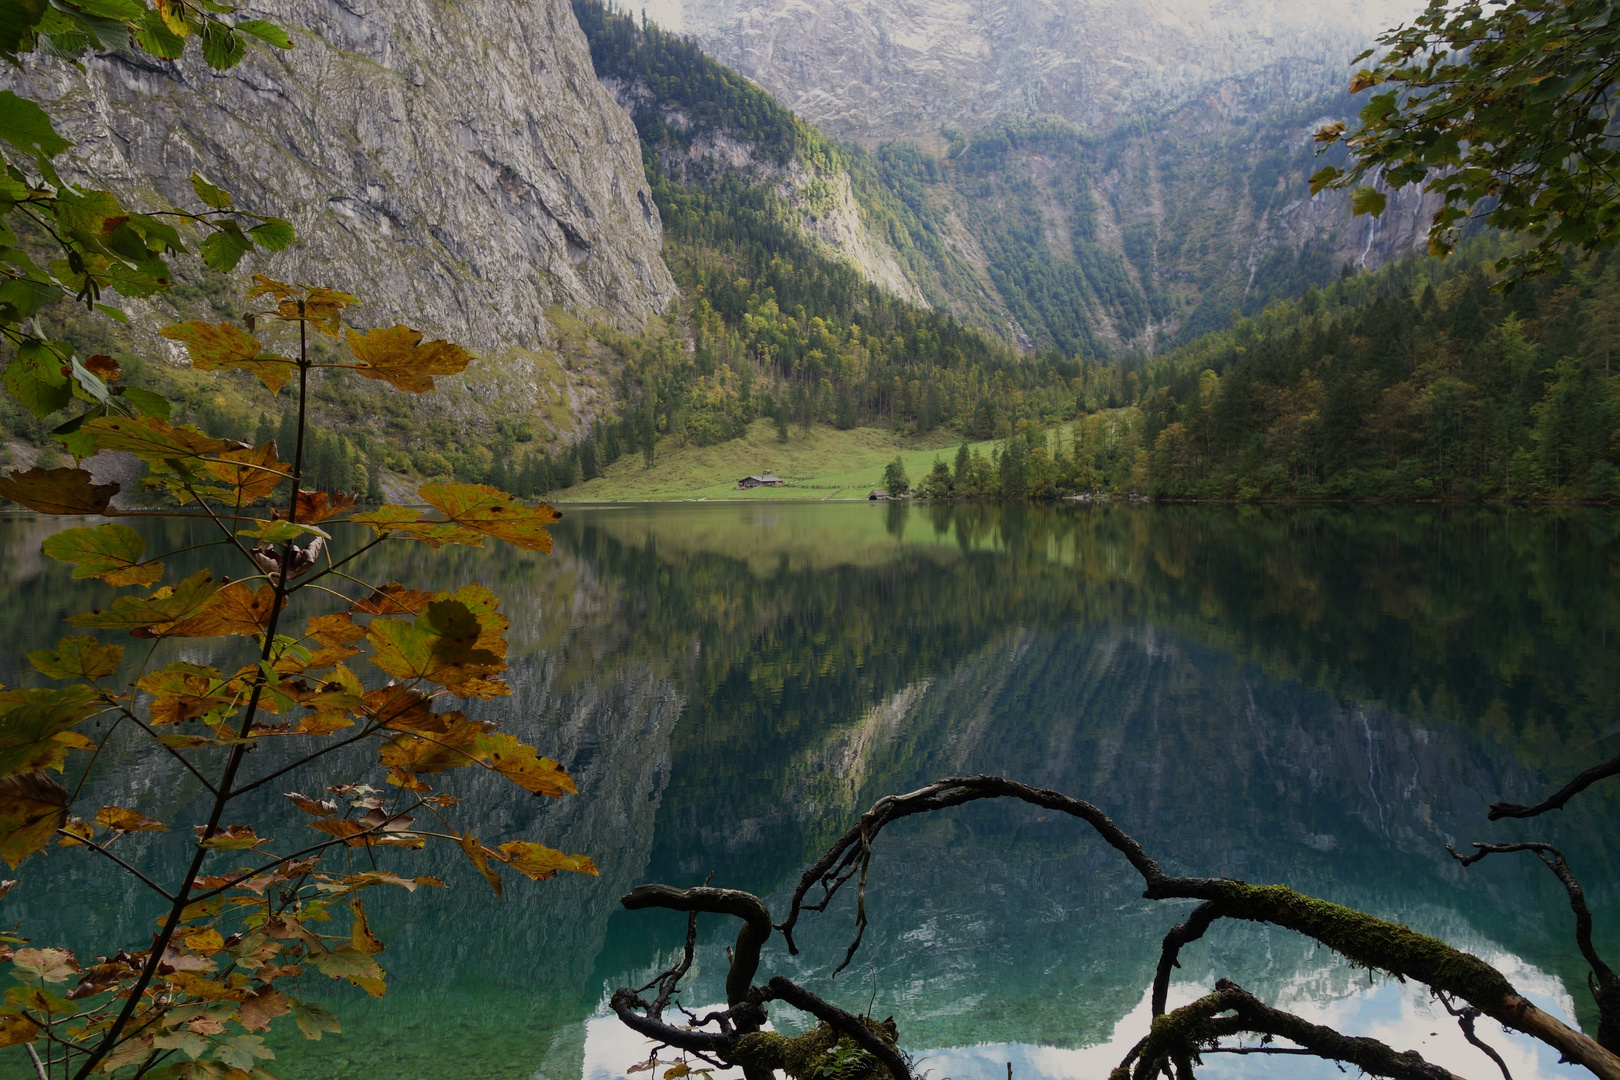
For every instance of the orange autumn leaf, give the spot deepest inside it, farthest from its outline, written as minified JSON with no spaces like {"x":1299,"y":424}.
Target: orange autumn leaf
{"x":250,"y":474}
{"x":480,"y":855}
{"x":539,"y":862}
{"x":397,"y":356}
{"x":315,"y":507}
{"x":235,"y":610}
{"x":334,"y":630}
{"x":120,"y":820}
{"x":226,"y":347}
{"x":392,"y":599}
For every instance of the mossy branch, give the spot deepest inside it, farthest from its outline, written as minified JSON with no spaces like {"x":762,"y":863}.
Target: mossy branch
{"x":1177,"y":1038}
{"x":1361,"y":938}
{"x":738,"y":1040}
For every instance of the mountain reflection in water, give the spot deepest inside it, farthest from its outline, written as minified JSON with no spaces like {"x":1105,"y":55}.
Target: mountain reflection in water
{"x":1321,"y":697}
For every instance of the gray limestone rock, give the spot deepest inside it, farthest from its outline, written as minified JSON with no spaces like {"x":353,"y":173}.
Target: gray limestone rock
{"x":873,"y":70}
{"x":455,"y":164}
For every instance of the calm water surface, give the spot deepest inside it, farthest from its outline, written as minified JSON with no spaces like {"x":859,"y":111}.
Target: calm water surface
{"x":1324,"y":698}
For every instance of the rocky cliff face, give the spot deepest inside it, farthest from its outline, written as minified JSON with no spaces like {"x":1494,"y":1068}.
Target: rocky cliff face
{"x":875,"y":70}
{"x":457,"y":165}
{"x":824,"y":200}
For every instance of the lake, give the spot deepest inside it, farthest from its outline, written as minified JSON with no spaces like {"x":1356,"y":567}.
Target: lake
{"x":1322,"y":697}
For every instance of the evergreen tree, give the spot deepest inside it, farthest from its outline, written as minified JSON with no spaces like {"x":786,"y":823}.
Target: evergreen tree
{"x":895,"y":481}
{"x":287,"y":435}
{"x":264,"y":432}
{"x":586,"y":449}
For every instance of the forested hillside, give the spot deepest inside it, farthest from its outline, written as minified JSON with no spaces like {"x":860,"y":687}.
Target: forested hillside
{"x":999,"y":289}
{"x":783,"y":326}
{"x":1418,"y":382}
{"x":1136,"y":237}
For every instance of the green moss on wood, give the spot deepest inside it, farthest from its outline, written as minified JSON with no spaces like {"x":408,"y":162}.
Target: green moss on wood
{"x":1366,"y":940}
{"x":818,"y":1054}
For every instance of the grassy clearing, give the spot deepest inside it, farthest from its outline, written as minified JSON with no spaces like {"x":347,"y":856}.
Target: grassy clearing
{"x":824,"y":463}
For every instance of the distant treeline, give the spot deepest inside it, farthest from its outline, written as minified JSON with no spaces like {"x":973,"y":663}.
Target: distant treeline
{"x":1420,"y":381}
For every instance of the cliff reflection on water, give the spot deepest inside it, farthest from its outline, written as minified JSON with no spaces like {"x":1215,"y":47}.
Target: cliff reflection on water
{"x":1324,"y":698}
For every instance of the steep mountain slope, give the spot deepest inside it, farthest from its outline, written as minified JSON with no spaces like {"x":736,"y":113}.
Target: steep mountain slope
{"x":461,"y":168}
{"x":1155,"y":233}
{"x":1048,"y":237}
{"x":879,"y":70}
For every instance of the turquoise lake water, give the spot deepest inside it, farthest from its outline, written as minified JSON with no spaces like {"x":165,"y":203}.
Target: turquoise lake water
{"x":1324,"y":698}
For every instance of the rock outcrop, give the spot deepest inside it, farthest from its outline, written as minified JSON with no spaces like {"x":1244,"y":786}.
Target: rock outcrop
{"x":458,"y":165}
{"x":875,"y":70}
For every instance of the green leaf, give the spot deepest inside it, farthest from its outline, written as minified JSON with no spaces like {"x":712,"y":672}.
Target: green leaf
{"x":26,"y":126}
{"x":22,"y":297}
{"x":30,"y":720}
{"x":1365,"y":200}
{"x":186,"y":1041}
{"x":448,"y":643}
{"x":89,"y":381}
{"x":110,"y":552}
{"x":267,"y":32}
{"x":273,"y":235}
{"x":222,"y":48}
{"x":157,"y":39}
{"x":40,"y":999}
{"x":315,"y":1020}
{"x":18,"y":18}
{"x":83,"y":657}
{"x":1322,"y":178}
{"x":225,"y":248}
{"x":146,"y":402}
{"x":279,"y":532}
{"x":123,"y":10}
{"x":35,"y":379}
{"x":243,"y":1051}
{"x":215,"y":197}
{"x":153,"y":615}
{"x":71,"y":434}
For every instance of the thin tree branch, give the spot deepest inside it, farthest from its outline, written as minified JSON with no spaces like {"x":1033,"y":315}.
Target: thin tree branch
{"x":312,"y":756}
{"x":755,"y":932}
{"x":1465,"y":1020}
{"x":176,"y":754}
{"x":1605,"y":983}
{"x":348,"y":558}
{"x":1557,"y":799}
{"x":160,"y":890}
